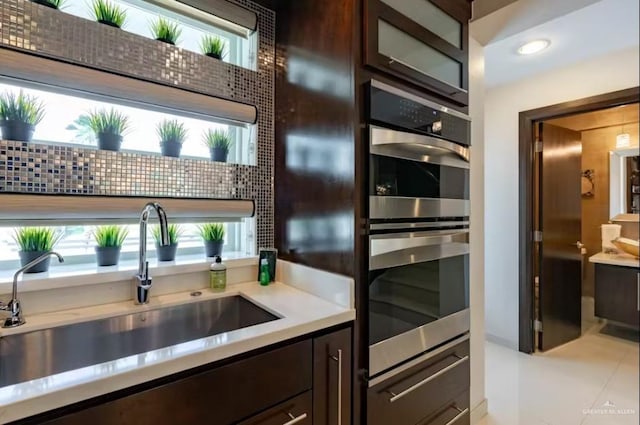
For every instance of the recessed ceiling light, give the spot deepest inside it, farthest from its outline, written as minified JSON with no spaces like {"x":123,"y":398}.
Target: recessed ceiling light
{"x":534,"y":46}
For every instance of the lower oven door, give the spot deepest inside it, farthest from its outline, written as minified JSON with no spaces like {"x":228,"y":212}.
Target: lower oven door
{"x":418,"y":294}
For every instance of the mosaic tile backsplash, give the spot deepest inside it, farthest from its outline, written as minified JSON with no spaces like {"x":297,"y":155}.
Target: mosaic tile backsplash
{"x":30,"y":167}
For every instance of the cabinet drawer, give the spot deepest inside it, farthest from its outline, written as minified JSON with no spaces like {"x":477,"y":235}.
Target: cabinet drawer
{"x":422,"y":390}
{"x":220,"y":396}
{"x":456,"y":412}
{"x":294,"y":411}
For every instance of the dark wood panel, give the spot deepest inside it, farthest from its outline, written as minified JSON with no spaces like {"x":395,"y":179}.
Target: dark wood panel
{"x":315,"y":133}
{"x":560,"y":216}
{"x":424,"y":400}
{"x":526,"y":193}
{"x":299,"y":407}
{"x":331,"y":352}
{"x":616,"y":294}
{"x":221,"y":396}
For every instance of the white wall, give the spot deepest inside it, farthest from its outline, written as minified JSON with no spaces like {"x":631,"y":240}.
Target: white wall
{"x":476,"y":109}
{"x":611,"y":72}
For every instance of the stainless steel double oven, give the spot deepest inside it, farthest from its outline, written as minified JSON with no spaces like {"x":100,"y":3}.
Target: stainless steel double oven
{"x":418,"y":226}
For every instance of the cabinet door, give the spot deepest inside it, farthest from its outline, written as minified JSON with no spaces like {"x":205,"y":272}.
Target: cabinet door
{"x":421,"y":41}
{"x":616,"y":294}
{"x":294,"y":411}
{"x":332,"y":378}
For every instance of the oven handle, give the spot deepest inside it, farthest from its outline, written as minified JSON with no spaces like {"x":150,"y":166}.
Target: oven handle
{"x":427,"y":238}
{"x":383,"y":137}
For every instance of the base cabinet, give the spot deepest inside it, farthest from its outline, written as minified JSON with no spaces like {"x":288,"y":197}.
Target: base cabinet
{"x":288,"y":385}
{"x":617,"y":294}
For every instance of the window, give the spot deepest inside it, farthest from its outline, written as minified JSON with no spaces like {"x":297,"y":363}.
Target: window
{"x":77,"y":243}
{"x":240,"y":51}
{"x":64,"y":123}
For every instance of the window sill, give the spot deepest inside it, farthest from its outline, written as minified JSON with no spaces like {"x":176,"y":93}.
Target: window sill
{"x":66,"y":276}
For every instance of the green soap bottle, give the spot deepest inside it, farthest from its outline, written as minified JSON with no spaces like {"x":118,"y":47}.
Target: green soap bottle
{"x":218,"y":275}
{"x":265,"y":275}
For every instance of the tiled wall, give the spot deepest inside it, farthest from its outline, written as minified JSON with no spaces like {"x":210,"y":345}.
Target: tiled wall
{"x":24,"y":167}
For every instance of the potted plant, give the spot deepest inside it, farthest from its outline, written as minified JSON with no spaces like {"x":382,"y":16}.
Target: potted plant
{"x":108,"y":13}
{"x":108,"y":126}
{"x":19,"y":115}
{"x":219,"y":143}
{"x":109,"y":240}
{"x":34,"y":242}
{"x":168,"y":252}
{"x":54,"y":4}
{"x":165,"y":31}
{"x":213,"y":236}
{"x":172,"y":135}
{"x":212,"y":46}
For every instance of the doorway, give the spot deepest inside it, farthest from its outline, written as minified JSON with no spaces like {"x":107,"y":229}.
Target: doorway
{"x":552,"y":251}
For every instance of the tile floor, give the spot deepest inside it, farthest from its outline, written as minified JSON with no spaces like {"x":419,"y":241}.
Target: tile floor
{"x":591,"y":381}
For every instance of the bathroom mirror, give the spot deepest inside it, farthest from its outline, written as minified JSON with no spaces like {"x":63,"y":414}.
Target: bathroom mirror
{"x":624,"y":183}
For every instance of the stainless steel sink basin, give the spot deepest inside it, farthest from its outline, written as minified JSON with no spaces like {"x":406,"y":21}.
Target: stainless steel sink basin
{"x":32,"y":355}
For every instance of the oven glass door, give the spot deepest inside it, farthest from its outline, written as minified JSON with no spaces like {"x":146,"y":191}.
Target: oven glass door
{"x":418,"y":293}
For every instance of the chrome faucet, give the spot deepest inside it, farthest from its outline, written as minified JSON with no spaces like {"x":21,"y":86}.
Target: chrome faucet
{"x":142,"y":280}
{"x":13,"y":307}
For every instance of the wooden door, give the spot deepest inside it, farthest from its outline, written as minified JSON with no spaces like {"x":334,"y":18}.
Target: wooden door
{"x":560,"y":271}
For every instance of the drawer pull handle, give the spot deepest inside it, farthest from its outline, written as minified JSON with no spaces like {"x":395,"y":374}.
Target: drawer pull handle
{"x":414,"y":387}
{"x":295,"y":419}
{"x":338,"y":359}
{"x":460,"y":414}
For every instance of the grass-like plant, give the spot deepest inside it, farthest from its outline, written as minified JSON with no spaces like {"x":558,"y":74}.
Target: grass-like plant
{"x":108,"y":122}
{"x":165,"y":30}
{"x":212,"y":45}
{"x":108,"y":13}
{"x":37,"y":239}
{"x":217,"y":139}
{"x":22,"y":107}
{"x":171,"y":131}
{"x":212,"y":231}
{"x":174,"y":231}
{"x":54,"y":4}
{"x":110,"y":236}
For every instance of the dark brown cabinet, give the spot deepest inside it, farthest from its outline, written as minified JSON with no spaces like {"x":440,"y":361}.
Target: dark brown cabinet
{"x":332,"y":379}
{"x":424,"y":42}
{"x":425,"y":393}
{"x":290,"y":384}
{"x":616,"y":294}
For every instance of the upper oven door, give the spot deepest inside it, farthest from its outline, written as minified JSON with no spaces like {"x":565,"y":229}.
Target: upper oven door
{"x":416,"y":176}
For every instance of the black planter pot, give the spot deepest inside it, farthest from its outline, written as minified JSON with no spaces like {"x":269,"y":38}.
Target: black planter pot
{"x":219,"y":154}
{"x":166,"y":253}
{"x":108,"y":255}
{"x":109,"y":142}
{"x":45,"y":3}
{"x":16,"y":130}
{"x":166,"y":41}
{"x":111,"y":24}
{"x":213,"y":55}
{"x":27,"y":256}
{"x":213,"y":248}
{"x":171,"y":149}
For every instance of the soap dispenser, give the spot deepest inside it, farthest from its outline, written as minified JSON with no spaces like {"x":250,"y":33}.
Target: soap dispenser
{"x":218,"y":275}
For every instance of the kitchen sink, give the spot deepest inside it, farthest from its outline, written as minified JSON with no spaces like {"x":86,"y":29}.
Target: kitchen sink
{"x":32,"y":355}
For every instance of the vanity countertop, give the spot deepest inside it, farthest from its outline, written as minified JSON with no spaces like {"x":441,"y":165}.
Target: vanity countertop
{"x":615,"y":260}
{"x":301,"y":312}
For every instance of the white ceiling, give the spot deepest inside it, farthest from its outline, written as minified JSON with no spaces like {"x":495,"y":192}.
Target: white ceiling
{"x":591,"y":31}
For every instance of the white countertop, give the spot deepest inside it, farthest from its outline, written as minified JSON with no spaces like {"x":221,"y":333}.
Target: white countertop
{"x":615,"y":260}
{"x":301,"y":313}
